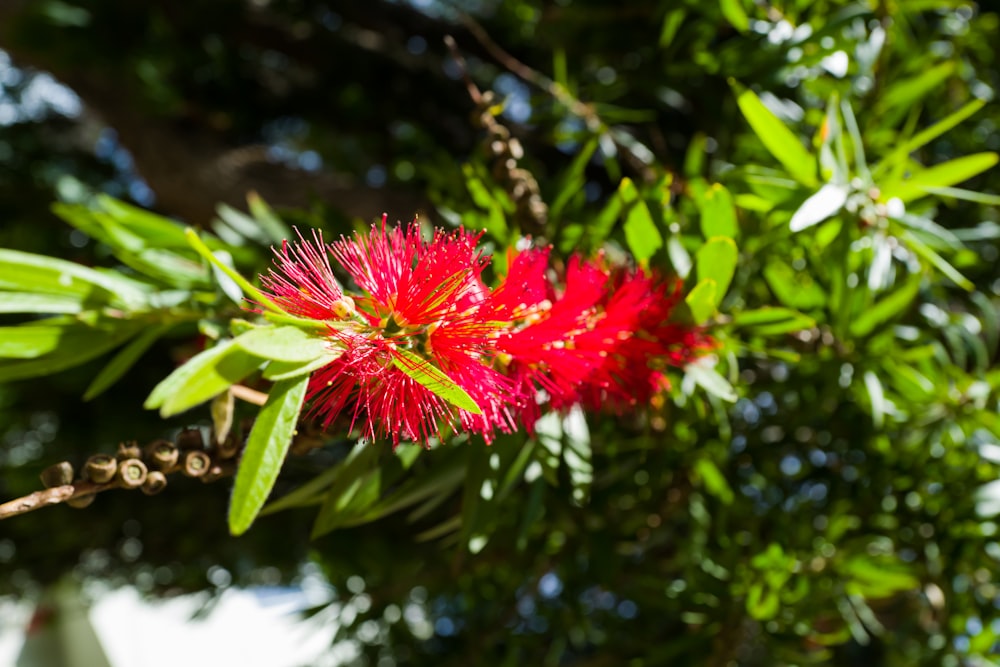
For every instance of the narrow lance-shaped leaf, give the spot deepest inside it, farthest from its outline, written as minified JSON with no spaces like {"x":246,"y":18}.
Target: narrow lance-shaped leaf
{"x":717,"y":214}
{"x":641,"y":234}
{"x":827,"y":201}
{"x":124,"y":360}
{"x":939,"y":176}
{"x":434,"y":380}
{"x":203,"y":377}
{"x":886,"y":308}
{"x":283,"y":343}
{"x":735,"y":13}
{"x":26,"y":272}
{"x":716,"y":261}
{"x":265,"y":451}
{"x":780,"y":141}
{"x":701,"y":300}
{"x":770,"y":321}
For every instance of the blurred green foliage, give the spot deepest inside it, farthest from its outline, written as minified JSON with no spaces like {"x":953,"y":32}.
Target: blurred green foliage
{"x":821,"y":174}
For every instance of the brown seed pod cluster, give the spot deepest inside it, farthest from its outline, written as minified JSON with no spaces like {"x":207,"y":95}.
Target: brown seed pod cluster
{"x":506,"y":153}
{"x":146,"y":468}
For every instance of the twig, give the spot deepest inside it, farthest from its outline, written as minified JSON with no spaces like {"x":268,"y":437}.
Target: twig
{"x":584,"y":111}
{"x":53,"y":496}
{"x":520,"y":183}
{"x":249,"y":395}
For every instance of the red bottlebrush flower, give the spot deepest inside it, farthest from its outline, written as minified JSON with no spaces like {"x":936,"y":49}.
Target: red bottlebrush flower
{"x":304,"y":284}
{"x":604,"y":341}
{"x":635,"y":370}
{"x":421,"y":309}
{"x":556,"y":343}
{"x":424,"y":324}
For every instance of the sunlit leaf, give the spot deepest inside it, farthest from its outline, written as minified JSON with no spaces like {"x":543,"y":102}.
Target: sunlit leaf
{"x":736,"y":14}
{"x":641,"y":234}
{"x":287,"y":343}
{"x":433,"y":379}
{"x":201,"y":378}
{"x":265,"y":451}
{"x":717,"y":214}
{"x":124,"y":360}
{"x":939,"y":176}
{"x":701,"y":300}
{"x":716,"y":261}
{"x":886,"y":308}
{"x":771,"y":321}
{"x":827,"y":201}
{"x":780,"y":141}
{"x":25,"y":272}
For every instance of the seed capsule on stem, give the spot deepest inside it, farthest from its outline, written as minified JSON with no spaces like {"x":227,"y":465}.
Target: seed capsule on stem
{"x":132,"y":473}
{"x":213,"y":474}
{"x":80,"y":502}
{"x":100,"y":468}
{"x":162,"y":454}
{"x":129,"y":450}
{"x":196,"y":463}
{"x":155,"y":482}
{"x":57,"y":474}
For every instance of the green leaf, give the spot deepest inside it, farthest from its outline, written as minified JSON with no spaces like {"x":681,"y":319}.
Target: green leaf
{"x":573,"y":180}
{"x":701,"y":300}
{"x":129,"y":241}
{"x":433,"y":379}
{"x":78,"y":343}
{"x":353,"y":498}
{"x":284,"y":370}
{"x":153,"y":230}
{"x":641,"y":235}
{"x":716,"y":261}
{"x":671,"y":23}
{"x":599,"y":228}
{"x":717,"y":212}
{"x":680,"y":260}
{"x":124,"y":360}
{"x":770,"y":321}
{"x":942,"y":175}
{"x":735,"y":13}
{"x":762,"y":602}
{"x":906,"y":92}
{"x":26,"y":272}
{"x":936,"y":260}
{"x":283,"y":343}
{"x":334,"y":481}
{"x":899,"y":156}
{"x":776,"y":137}
{"x":440,"y":480}
{"x":877,"y":397}
{"x":878,"y":576}
{"x":708,"y":378}
{"x":273,"y":226}
{"x":50,"y":304}
{"x":265,"y":451}
{"x":476,"y":474}
{"x":713,"y":480}
{"x":966,"y":195}
{"x":885,"y":308}
{"x":795,"y":289}
{"x":827,"y":201}
{"x":201,"y":378}
{"x":494,"y":222}
{"x":29,"y":341}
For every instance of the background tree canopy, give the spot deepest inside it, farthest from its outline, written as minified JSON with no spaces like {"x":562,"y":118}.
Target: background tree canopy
{"x":820,"y":173}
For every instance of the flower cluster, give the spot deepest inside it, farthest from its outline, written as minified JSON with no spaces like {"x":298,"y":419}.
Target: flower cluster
{"x":428,"y":346}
